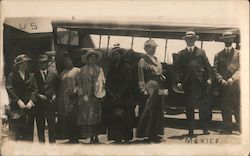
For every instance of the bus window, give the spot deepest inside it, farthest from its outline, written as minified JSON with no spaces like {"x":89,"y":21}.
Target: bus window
{"x":96,"y":40}
{"x":67,"y":37}
{"x":124,"y":41}
{"x":173,"y":46}
{"x":74,"y":40}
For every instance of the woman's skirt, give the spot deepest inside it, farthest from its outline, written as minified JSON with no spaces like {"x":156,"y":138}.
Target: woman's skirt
{"x":89,"y":117}
{"x":151,"y":122}
{"x":88,"y":131}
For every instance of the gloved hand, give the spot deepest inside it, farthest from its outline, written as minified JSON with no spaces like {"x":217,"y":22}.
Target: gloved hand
{"x":21,"y":104}
{"x":223,"y":82}
{"x":30,"y":104}
{"x":230,"y":81}
{"x":209,"y":82}
{"x":179,"y":85}
{"x":86,"y":98}
{"x":53,"y":98}
{"x":145,"y":92}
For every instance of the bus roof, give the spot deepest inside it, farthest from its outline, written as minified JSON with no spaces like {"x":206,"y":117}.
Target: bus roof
{"x":158,"y":29}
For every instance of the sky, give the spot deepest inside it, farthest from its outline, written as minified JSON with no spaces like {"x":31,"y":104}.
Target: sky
{"x":173,"y":46}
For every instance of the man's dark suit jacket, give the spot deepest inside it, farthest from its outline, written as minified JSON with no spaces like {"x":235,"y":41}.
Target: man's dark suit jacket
{"x":227,"y":65}
{"x":47,"y":87}
{"x":194,"y":64}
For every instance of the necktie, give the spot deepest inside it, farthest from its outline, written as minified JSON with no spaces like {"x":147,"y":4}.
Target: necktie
{"x":190,"y":50}
{"x":44,"y":75}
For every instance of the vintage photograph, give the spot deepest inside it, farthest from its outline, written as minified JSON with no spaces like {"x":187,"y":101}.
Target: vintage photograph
{"x":123,"y":81}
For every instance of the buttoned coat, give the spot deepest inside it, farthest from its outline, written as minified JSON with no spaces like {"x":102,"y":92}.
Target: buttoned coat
{"x":192,"y":64}
{"x":227,"y":66}
{"x":47,"y":87}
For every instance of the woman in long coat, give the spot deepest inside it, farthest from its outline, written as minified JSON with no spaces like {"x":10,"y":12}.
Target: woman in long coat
{"x":151,"y":122}
{"x":118,"y":109}
{"x":22,"y":90}
{"x":67,"y":102}
{"x":90,"y":90}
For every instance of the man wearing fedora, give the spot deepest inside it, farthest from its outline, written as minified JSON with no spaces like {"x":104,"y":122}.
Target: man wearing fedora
{"x":46,"y":81}
{"x":226,"y":64}
{"x":193,"y":74}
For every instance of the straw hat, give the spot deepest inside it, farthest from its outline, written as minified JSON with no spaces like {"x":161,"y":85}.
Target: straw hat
{"x":191,"y":34}
{"x":177,"y":90}
{"x":84,"y":58}
{"x":150,"y":43}
{"x":227,"y":35}
{"x":21,"y":58}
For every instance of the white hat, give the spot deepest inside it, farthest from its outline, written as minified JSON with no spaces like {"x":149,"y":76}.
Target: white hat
{"x":84,"y":58}
{"x":227,"y":34}
{"x":150,"y":43}
{"x":177,"y":90}
{"x":21,"y":58}
{"x":190,"y":34}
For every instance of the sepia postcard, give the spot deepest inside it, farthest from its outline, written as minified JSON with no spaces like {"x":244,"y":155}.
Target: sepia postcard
{"x":124,"y":77}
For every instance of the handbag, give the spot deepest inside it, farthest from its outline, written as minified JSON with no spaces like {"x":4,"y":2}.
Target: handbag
{"x":17,"y":114}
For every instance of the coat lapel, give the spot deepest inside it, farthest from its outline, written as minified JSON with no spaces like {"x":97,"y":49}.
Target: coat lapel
{"x":149,"y":61}
{"x":39,"y":80}
{"x":19,"y":78}
{"x":234,"y":63}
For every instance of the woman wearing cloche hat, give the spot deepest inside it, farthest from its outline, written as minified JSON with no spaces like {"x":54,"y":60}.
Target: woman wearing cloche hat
{"x":118,"y":110}
{"x":22,"y":91}
{"x":90,"y":91}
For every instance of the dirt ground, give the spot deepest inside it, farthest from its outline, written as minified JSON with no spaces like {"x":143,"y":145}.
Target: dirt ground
{"x":175,"y":132}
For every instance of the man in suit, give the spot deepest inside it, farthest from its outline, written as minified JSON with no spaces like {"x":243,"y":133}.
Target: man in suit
{"x":226,"y":64}
{"x":46,"y":82}
{"x":193,"y":74}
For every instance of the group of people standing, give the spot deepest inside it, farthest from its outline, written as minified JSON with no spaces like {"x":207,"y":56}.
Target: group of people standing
{"x":200,"y":82}
{"x":88,"y":102}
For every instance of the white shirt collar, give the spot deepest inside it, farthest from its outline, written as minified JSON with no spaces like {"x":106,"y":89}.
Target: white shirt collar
{"x":46,"y":70}
{"x":22,"y":75}
{"x":42,"y":73}
{"x":191,"y":47}
{"x":228,"y":48}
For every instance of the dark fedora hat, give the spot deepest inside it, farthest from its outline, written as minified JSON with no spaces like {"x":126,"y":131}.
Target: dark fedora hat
{"x":42,"y":58}
{"x":177,"y":90}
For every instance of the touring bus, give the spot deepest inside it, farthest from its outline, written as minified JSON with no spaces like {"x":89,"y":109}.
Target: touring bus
{"x":77,"y":36}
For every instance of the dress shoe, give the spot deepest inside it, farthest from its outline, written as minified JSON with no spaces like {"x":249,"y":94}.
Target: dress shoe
{"x":156,"y":139}
{"x":191,"y":133}
{"x":206,"y":132}
{"x":226,"y":132}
